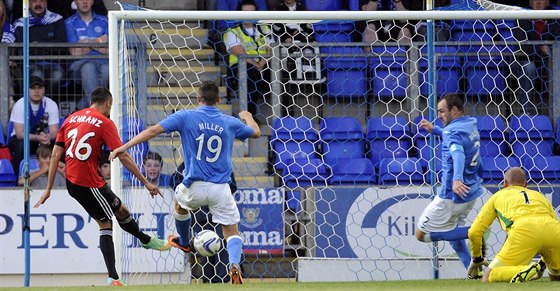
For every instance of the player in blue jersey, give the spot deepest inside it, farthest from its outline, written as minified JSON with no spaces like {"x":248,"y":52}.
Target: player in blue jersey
{"x":444,"y":218}
{"x":207,"y":137}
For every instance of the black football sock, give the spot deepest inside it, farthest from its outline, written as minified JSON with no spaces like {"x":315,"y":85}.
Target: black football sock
{"x":108,"y":251}
{"x":129,"y":225}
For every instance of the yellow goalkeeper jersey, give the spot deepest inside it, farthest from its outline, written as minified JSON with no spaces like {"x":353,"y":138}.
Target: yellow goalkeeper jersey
{"x":510,"y":205}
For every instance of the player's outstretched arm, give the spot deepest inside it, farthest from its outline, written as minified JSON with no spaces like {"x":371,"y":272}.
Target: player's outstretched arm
{"x":145,"y":135}
{"x":57,"y":153}
{"x":247,"y":117}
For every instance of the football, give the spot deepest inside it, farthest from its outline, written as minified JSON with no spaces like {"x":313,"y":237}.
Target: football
{"x":207,"y":243}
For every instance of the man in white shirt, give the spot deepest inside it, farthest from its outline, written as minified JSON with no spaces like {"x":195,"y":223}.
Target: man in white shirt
{"x":43,"y":122}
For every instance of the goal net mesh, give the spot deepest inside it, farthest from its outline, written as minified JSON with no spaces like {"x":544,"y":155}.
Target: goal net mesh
{"x":334,"y":188}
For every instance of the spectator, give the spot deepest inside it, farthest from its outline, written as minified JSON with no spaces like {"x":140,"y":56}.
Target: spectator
{"x":105,"y":167}
{"x":387,"y":30}
{"x":44,"y":26}
{"x":534,"y":57}
{"x":64,"y":8}
{"x":253,"y":40}
{"x":8,"y":36}
{"x":43,"y":122}
{"x":38,"y":179}
{"x":296,"y":33}
{"x":153,"y":163}
{"x":442,"y":28}
{"x":88,"y":27}
{"x":233,"y":5}
{"x":8,"y":29}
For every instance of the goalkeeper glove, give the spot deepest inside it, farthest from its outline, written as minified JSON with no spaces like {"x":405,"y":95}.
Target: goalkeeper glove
{"x":475,"y":268}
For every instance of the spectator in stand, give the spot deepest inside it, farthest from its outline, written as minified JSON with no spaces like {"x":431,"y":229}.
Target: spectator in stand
{"x":253,"y":40}
{"x":38,"y":179}
{"x":442,"y":28}
{"x":534,"y":57}
{"x":296,"y":33}
{"x":64,"y":8}
{"x":105,"y":167}
{"x":153,"y":163}
{"x":43,"y":122}
{"x":44,"y":26}
{"x":87,"y":26}
{"x":8,"y":29}
{"x":8,"y":36}
{"x":386,"y":30}
{"x":233,"y":5}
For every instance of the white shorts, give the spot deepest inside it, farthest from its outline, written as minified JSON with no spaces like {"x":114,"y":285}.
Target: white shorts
{"x":444,"y":215}
{"x":217,"y":197}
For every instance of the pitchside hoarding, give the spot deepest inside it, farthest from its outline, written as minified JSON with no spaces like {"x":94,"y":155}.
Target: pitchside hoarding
{"x":62,"y":232}
{"x":262,"y":220}
{"x":378,"y":223}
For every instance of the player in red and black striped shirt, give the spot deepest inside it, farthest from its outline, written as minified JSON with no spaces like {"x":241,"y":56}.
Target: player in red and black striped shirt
{"x":80,"y":139}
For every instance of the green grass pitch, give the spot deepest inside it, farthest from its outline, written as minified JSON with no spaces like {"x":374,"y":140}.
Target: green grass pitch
{"x":543,"y":284}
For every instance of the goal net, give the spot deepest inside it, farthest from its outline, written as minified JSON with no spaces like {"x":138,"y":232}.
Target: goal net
{"x":334,"y":188}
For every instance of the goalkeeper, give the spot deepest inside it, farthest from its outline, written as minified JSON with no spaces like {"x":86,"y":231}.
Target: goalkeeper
{"x":532,"y":228}
{"x":461,"y":181}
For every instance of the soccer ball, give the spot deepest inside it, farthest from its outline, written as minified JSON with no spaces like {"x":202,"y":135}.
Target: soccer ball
{"x":207,"y":243}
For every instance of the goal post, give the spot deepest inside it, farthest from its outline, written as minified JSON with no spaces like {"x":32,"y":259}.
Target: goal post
{"x":306,"y":215}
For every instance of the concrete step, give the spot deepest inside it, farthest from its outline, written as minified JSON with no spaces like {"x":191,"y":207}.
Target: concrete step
{"x":254,"y":181}
{"x":185,"y":76}
{"x":250,"y":166}
{"x":177,"y":92}
{"x":183,"y":54}
{"x":156,"y":36}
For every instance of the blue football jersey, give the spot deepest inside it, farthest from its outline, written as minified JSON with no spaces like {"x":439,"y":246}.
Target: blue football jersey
{"x":207,"y":136}
{"x":461,"y":135}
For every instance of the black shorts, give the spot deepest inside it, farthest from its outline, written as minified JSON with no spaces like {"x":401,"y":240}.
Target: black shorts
{"x":100,"y":203}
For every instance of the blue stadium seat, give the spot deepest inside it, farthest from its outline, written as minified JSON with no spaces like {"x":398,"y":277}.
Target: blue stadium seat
{"x":340,"y":128}
{"x":492,"y":131}
{"x":401,"y":171}
{"x":448,"y":70}
{"x":485,"y":75}
{"x":295,"y":128}
{"x":421,"y":141}
{"x":292,"y":138}
{"x":131,"y":127}
{"x":531,"y":135}
{"x":347,"y":74}
{"x":541,"y":168}
{"x":341,"y":138}
{"x":323,"y":5}
{"x":2,"y":135}
{"x":388,"y":71}
{"x":493,"y":168}
{"x":33,"y":165}
{"x":333,"y":31}
{"x":305,"y":173}
{"x":388,"y":137}
{"x":558,"y":131}
{"x":7,"y":176}
{"x":352,"y":172}
{"x":9,"y":131}
{"x":505,"y":31}
{"x":61,"y":121}
{"x":473,"y":31}
{"x":530,"y":127}
{"x":529,"y":148}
